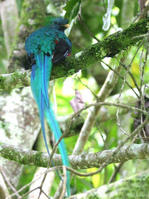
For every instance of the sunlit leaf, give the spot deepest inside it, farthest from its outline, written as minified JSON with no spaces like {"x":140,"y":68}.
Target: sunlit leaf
{"x":72,"y":8}
{"x":96,"y":179}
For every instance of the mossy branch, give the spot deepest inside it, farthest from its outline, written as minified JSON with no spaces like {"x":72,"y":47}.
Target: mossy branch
{"x":14,"y":80}
{"x":109,"y":47}
{"x":83,"y":161}
{"x":136,"y":186}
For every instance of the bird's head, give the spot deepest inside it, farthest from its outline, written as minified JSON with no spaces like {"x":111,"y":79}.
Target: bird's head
{"x":59,"y":23}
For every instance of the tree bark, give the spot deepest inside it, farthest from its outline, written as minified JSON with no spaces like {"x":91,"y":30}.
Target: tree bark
{"x":133,"y":187}
{"x":83,"y":161}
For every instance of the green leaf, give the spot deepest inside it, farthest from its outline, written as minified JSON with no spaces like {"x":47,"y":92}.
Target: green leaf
{"x":19,"y":5}
{"x":72,"y":9}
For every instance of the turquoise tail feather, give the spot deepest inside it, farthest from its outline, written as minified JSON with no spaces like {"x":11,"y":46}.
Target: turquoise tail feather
{"x":39,"y":83}
{"x":39,"y":88}
{"x":57,"y":133}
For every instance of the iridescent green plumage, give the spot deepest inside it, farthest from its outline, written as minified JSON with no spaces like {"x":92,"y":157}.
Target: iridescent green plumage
{"x":41,"y":45}
{"x":43,"y":40}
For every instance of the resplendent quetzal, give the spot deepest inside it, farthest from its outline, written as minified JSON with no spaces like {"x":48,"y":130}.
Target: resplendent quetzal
{"x":45,"y":46}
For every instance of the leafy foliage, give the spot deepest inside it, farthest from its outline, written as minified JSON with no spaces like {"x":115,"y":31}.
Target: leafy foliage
{"x":72,"y":9}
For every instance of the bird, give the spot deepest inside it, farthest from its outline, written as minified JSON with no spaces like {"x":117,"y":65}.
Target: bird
{"x":45,"y":47}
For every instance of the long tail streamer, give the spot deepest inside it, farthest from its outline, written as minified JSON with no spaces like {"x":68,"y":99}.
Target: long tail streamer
{"x":39,"y":83}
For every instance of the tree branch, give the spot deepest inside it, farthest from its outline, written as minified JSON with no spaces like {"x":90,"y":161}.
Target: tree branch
{"x":83,"y":161}
{"x":109,"y":47}
{"x":135,"y":186}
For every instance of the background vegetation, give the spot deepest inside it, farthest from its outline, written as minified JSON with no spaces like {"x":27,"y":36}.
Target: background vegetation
{"x":100,"y":95}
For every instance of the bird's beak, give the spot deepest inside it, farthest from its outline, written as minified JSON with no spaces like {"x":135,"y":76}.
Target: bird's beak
{"x":66,"y":25}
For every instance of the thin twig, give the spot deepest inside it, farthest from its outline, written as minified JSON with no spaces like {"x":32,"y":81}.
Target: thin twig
{"x":94,"y":94}
{"x":25,"y":186}
{"x":40,"y":187}
{"x":109,"y":104}
{"x":117,"y":169}
{"x":118,"y":121}
{"x":131,"y":75}
{"x":35,"y":190}
{"x":9,"y":184}
{"x":127,"y":67}
{"x":46,"y":195}
{"x":30,"y":191}
{"x":119,"y":75}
